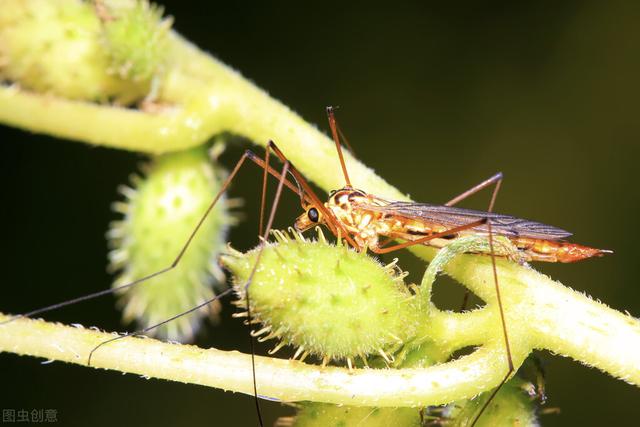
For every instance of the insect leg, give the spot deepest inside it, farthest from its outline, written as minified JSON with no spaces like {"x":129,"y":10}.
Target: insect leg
{"x":282,"y":181}
{"x":274,"y":207}
{"x":263,"y":198}
{"x":424,"y":239}
{"x":332,"y":119}
{"x":334,"y":225}
{"x":248,"y":154}
{"x":499,"y":299}
{"x":495,"y":179}
{"x":334,"y":132}
{"x":152,"y":327}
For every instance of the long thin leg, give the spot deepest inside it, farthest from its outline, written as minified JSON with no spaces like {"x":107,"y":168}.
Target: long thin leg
{"x":425,"y":239}
{"x":336,"y":139}
{"x":281,"y":182}
{"x":152,"y":327}
{"x":272,"y":214}
{"x":499,"y":299}
{"x":495,"y":179}
{"x":465,"y":300}
{"x":295,"y":188}
{"x":248,"y":154}
{"x":334,"y":225}
{"x":343,"y":138}
{"x":263,"y":199}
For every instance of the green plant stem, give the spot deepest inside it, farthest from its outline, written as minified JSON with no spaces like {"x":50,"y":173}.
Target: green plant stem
{"x":548,"y":315}
{"x":206,"y":97}
{"x":283,"y":379}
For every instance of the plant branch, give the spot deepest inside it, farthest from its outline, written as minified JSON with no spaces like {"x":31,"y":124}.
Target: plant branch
{"x":282,"y":379}
{"x":551,"y":316}
{"x":206,"y":97}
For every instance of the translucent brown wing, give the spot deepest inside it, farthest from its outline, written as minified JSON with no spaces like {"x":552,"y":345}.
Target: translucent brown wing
{"x":504,"y":225}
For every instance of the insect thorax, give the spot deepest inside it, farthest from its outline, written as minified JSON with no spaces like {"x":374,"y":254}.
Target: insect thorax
{"x":349,"y":208}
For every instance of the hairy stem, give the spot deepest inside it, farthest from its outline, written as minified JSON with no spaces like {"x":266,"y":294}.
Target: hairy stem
{"x":207,"y":97}
{"x":282,"y":379}
{"x":545,"y":314}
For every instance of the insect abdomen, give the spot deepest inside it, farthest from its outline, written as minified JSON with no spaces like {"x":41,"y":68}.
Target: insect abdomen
{"x":551,"y":251}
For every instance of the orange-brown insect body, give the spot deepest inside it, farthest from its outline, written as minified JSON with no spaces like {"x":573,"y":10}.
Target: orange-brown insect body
{"x":367,"y":217}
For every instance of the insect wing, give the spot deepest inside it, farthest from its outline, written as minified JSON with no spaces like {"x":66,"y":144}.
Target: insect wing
{"x":504,"y":225}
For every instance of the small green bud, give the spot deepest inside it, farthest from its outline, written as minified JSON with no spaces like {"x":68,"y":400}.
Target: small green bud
{"x":329,"y":301}
{"x":135,"y":37}
{"x":510,"y":407}
{"x":324,"y":414}
{"x":159,"y":216}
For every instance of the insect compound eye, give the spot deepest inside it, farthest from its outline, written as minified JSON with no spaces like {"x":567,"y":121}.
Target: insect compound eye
{"x":313,"y":215}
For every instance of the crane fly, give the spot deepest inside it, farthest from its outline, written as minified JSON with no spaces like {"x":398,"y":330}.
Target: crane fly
{"x":361,"y":219}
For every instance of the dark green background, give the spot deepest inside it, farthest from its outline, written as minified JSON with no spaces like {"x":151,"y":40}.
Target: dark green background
{"x":435,"y":98}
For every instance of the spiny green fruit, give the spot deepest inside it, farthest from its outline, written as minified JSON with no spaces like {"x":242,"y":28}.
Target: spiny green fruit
{"x":327,"y":415}
{"x":72,"y":49}
{"x":329,"y":301}
{"x":159,"y":215}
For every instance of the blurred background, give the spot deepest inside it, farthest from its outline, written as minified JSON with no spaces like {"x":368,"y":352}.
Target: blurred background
{"x":435,"y":98}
